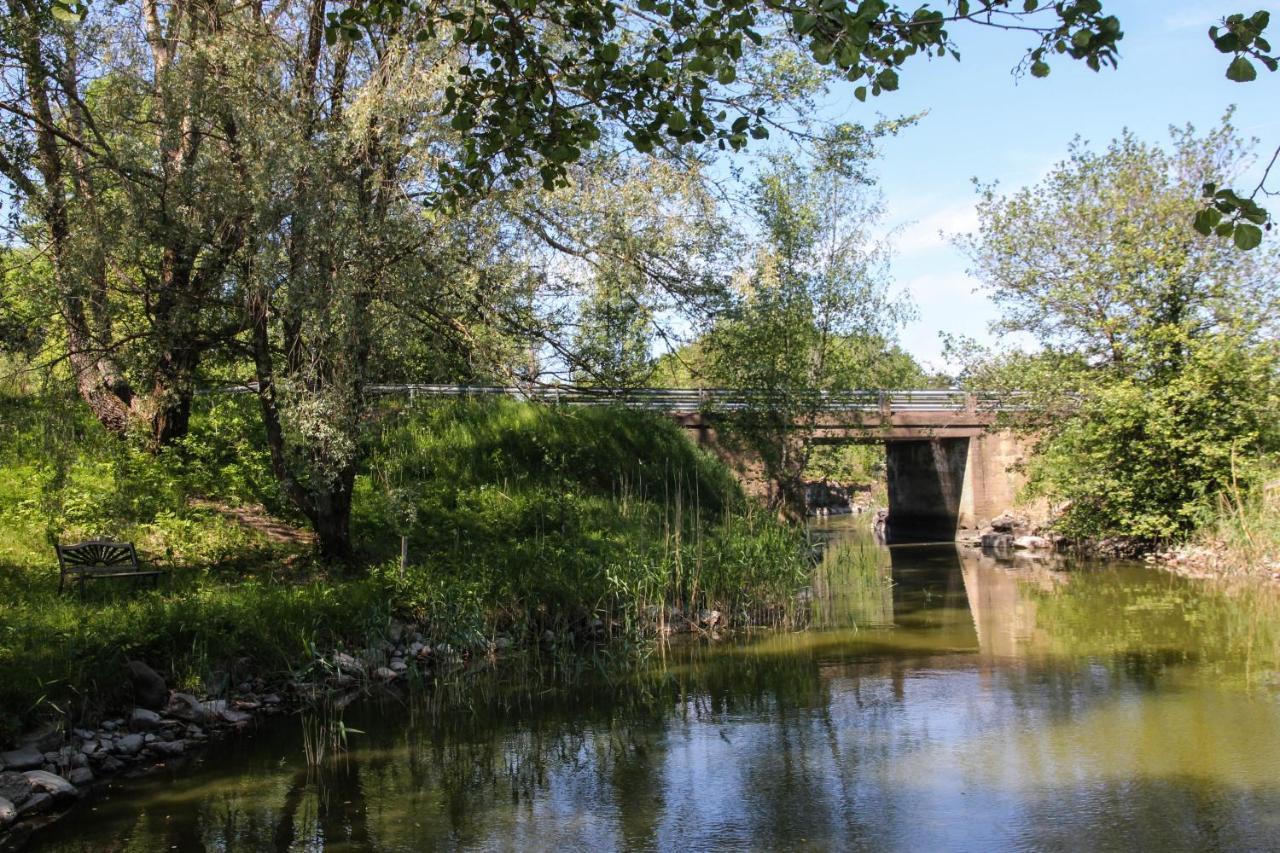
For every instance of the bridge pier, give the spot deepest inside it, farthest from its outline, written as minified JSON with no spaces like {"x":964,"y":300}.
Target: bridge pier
{"x":992,"y":479}
{"x":942,"y":485}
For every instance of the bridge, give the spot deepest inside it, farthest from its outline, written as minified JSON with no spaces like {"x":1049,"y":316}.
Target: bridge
{"x":949,"y":466}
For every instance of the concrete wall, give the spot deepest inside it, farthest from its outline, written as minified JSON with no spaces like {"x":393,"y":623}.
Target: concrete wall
{"x":991,"y":482}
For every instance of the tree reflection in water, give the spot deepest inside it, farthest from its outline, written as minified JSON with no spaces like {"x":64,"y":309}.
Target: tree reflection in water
{"x":943,"y":699}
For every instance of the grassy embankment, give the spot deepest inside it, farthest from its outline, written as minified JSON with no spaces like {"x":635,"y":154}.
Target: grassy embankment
{"x":1243,"y":541}
{"x":520,"y":519}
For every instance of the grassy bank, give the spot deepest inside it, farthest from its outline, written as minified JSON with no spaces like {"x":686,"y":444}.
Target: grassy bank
{"x":520,"y":520}
{"x":1243,"y":540}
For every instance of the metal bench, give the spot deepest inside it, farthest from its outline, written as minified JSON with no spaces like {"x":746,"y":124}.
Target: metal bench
{"x":98,"y":559}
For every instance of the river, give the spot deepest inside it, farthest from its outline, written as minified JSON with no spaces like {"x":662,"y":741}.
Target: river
{"x":941,"y":700}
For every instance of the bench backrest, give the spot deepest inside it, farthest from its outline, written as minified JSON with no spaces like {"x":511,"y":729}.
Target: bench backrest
{"x":97,"y":556}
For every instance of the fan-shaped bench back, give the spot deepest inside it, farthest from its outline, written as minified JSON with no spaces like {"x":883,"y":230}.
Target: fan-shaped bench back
{"x":98,"y":557}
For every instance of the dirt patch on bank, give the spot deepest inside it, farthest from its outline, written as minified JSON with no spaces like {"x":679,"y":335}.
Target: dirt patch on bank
{"x":257,"y":519}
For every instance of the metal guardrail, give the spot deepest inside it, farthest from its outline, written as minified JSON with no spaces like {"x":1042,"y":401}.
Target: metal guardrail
{"x":693,"y":400}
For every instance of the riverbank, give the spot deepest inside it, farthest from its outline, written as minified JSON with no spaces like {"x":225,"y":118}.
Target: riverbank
{"x":1241,"y":544}
{"x":523,"y":523}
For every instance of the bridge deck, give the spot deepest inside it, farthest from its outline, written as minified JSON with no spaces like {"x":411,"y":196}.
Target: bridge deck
{"x":841,"y":415}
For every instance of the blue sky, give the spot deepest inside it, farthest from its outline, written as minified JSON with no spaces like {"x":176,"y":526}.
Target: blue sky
{"x":983,"y":123}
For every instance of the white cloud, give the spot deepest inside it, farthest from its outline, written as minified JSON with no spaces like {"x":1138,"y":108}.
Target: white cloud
{"x":934,"y":228}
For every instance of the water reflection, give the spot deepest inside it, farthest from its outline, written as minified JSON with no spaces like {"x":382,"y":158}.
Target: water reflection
{"x":943,"y":700}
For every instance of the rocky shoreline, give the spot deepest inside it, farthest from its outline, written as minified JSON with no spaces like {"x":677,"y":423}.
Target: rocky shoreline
{"x":1213,"y":561}
{"x":52,"y":768}
{"x":1009,"y":532}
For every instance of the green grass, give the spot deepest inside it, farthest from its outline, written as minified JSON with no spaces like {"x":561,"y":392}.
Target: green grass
{"x":1246,"y":529}
{"x":520,"y":519}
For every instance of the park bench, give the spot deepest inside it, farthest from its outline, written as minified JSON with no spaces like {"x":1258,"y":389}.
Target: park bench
{"x":96,"y":560}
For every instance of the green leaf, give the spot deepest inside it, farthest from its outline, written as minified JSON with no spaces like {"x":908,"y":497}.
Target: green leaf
{"x":1241,"y":70}
{"x":656,"y":69}
{"x":1247,"y":236}
{"x":66,"y":12}
{"x":1206,"y":220}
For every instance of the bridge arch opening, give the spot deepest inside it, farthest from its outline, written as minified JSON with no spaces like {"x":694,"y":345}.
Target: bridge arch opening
{"x":926,"y":488}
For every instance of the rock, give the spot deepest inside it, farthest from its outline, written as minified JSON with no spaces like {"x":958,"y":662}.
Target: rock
{"x":271,"y":699}
{"x":398,"y":666}
{"x":169,"y":748}
{"x":501,"y":643}
{"x":144,"y":720}
{"x":8,"y":812}
{"x":149,"y":689}
{"x":110,"y":725}
{"x":129,"y":745}
{"x":89,"y":747}
{"x":15,"y":787}
{"x":22,"y":758}
{"x":997,"y":541}
{"x":236,"y":718}
{"x":345,"y":662}
{"x":416,"y":648}
{"x":111,"y":764}
{"x":214,"y":708}
{"x":1006,"y":522}
{"x":80,"y":777}
{"x":384,"y":673}
{"x":52,"y":784}
{"x":1033,"y":543}
{"x":184,"y":706}
{"x":37,"y":804}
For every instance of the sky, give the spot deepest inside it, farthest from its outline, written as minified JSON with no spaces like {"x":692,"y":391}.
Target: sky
{"x":983,"y":123}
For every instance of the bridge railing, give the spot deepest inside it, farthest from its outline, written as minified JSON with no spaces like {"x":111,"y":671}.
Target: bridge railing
{"x":693,"y":400}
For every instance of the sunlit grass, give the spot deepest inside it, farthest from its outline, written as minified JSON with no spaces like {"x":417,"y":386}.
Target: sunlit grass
{"x":523,"y":519}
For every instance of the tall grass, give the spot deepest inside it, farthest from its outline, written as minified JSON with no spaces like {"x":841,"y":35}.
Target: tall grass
{"x":1246,"y":532}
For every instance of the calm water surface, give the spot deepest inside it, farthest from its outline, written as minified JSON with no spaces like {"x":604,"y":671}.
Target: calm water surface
{"x":942,"y":701}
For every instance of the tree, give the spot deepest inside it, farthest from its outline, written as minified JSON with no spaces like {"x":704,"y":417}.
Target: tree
{"x":1157,"y":344}
{"x":813,"y":313}
{"x":127,"y":164}
{"x":540,"y":82}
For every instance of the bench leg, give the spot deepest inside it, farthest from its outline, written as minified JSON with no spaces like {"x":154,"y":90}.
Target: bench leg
{"x":62,"y":582}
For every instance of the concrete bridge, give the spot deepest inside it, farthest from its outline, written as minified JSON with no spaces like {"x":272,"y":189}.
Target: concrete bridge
{"x":948,"y":467}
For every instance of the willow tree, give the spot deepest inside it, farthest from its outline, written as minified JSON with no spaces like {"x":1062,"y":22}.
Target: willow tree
{"x":123,"y":147}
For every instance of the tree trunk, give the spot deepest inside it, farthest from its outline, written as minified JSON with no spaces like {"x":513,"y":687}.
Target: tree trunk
{"x":331,"y":518}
